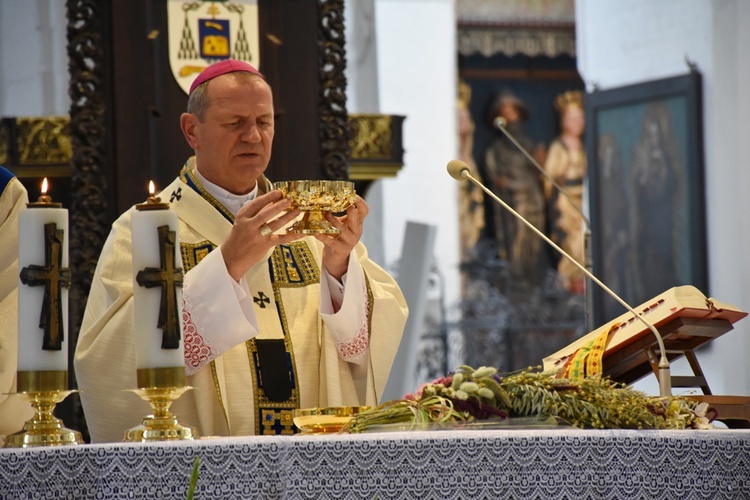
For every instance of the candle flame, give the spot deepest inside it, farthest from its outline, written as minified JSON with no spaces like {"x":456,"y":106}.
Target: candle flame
{"x":44,"y":186}
{"x":151,"y":188}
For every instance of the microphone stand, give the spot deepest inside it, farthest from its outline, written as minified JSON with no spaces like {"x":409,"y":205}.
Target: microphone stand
{"x":588,"y":261}
{"x":460,"y":171}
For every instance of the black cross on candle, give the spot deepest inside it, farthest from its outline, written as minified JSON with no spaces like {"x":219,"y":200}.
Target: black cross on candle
{"x":53,"y":276}
{"x":167,"y":277}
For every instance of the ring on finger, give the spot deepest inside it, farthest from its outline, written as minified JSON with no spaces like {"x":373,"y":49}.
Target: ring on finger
{"x":265,"y":230}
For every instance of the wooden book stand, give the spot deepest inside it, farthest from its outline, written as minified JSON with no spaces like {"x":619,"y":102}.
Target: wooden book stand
{"x":686,"y":320}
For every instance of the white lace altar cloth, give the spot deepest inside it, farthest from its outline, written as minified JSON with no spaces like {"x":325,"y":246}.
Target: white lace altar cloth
{"x":525,"y":464}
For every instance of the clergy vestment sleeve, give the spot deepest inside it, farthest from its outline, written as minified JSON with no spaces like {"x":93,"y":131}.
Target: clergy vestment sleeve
{"x":14,"y":410}
{"x":346,"y":383}
{"x":335,"y":289}
{"x":218,"y":312}
{"x":347,"y":323}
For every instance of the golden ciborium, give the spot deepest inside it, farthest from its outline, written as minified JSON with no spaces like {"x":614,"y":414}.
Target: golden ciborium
{"x":315,"y":197}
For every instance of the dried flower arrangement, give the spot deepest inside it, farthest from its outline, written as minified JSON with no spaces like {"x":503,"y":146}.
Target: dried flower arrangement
{"x":468,"y":395}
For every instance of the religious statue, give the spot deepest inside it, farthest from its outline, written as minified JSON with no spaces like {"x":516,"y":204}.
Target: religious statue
{"x":471,"y":201}
{"x":515,"y":179}
{"x":566,"y":165}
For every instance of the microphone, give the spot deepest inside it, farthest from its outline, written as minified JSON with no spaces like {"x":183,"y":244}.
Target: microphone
{"x":500,"y":123}
{"x":460,"y":171}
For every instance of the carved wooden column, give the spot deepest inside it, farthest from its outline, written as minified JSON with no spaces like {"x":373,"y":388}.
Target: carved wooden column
{"x":90,"y":211}
{"x":332,"y":94}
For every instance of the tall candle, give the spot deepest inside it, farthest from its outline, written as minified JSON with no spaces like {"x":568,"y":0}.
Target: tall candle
{"x":43,"y":286}
{"x":160,"y":271}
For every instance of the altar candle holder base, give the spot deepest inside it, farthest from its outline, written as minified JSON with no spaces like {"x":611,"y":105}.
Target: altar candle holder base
{"x":161,"y":425}
{"x":43,"y":429}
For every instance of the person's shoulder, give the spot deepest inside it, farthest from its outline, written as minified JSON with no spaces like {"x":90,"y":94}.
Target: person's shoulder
{"x":121,"y":225}
{"x":11,"y":189}
{"x":5,"y":177}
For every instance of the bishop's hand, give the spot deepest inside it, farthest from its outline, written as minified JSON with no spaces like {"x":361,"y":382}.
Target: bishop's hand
{"x":339,"y":247}
{"x":253,"y":232}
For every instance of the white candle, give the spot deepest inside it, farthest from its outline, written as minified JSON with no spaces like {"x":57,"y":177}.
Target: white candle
{"x":31,"y":252}
{"x":147,"y":301}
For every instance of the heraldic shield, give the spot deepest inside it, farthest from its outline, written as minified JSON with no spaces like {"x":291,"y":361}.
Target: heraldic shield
{"x":204,"y":32}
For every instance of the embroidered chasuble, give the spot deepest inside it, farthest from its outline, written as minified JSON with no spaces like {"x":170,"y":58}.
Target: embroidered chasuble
{"x":250,"y":387}
{"x":14,"y":410}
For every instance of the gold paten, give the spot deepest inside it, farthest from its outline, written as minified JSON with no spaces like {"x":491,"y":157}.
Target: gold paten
{"x":43,"y":389}
{"x":328,"y":420}
{"x":313,"y":198}
{"x":160,"y":387}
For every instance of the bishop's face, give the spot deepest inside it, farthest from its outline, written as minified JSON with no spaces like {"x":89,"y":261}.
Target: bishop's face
{"x":233,"y":143}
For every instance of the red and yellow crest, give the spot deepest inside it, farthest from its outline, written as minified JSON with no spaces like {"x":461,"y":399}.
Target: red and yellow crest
{"x":204,"y":32}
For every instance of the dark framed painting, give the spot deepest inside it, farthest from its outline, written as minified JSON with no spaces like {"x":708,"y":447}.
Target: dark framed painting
{"x":646,"y":191}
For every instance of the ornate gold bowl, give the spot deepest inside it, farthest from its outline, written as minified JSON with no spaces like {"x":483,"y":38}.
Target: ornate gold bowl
{"x":325,"y":420}
{"x":315,"y":197}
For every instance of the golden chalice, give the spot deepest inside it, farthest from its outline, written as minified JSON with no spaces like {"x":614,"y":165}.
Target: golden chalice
{"x":315,"y":197}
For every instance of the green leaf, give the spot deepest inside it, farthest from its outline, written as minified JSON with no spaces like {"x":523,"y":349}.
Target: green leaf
{"x":193,"y":478}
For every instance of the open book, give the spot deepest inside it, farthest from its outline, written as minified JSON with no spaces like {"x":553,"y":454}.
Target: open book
{"x":681,"y":302}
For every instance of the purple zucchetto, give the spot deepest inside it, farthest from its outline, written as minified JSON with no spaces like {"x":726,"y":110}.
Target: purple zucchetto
{"x":222,"y":68}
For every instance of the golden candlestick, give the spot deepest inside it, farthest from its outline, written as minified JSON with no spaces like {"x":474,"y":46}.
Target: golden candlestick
{"x":315,"y":197}
{"x":160,"y":387}
{"x":44,"y":390}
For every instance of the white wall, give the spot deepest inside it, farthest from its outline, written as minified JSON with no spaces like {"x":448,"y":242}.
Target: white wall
{"x":621,"y":42}
{"x":727,"y":132}
{"x":417,"y":75}
{"x":362,"y":97}
{"x":33,"y":58}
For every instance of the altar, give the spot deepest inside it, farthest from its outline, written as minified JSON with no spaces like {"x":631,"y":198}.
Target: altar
{"x":504,"y":463}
